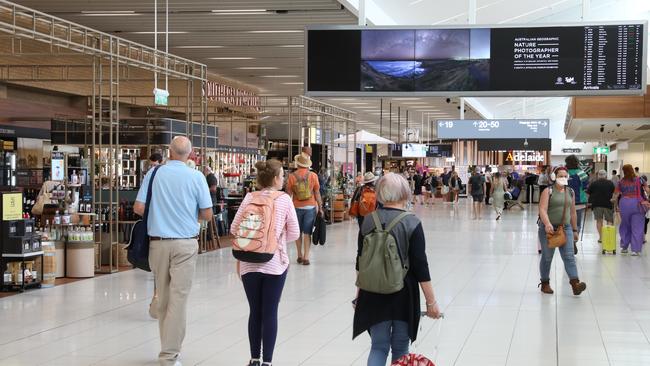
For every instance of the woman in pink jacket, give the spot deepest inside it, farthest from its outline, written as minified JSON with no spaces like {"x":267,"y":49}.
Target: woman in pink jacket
{"x":263,"y":282}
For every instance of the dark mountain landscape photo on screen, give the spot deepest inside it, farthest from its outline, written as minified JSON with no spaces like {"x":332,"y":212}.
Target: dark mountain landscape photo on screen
{"x":388,"y":75}
{"x":453,"y":59}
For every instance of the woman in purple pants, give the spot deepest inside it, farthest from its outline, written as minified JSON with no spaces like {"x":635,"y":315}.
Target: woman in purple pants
{"x":631,"y":205}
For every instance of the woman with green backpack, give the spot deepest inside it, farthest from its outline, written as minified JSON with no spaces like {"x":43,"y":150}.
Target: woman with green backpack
{"x":388,"y":301}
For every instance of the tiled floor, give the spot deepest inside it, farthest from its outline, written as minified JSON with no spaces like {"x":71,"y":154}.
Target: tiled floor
{"x":485,"y":275}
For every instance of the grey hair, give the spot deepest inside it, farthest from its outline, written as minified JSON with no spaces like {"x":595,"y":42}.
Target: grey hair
{"x":393,"y":188}
{"x":602,"y":173}
{"x":181,"y":146}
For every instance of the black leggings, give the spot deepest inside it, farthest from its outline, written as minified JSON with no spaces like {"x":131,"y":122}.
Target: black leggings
{"x":263,"y":292}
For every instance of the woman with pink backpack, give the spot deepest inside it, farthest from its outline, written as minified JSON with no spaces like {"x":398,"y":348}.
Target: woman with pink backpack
{"x":264,"y":223}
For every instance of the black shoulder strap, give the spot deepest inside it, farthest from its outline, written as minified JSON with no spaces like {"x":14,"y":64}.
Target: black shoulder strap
{"x":149,"y":189}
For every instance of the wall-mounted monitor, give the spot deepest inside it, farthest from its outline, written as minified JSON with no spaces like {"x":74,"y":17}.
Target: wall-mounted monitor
{"x":585,"y":59}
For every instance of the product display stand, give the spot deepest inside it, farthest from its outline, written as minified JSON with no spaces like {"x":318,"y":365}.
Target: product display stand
{"x":21,"y":285}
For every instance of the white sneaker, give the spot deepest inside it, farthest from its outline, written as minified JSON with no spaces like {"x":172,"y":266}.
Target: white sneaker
{"x":635,"y":254}
{"x":623,"y":251}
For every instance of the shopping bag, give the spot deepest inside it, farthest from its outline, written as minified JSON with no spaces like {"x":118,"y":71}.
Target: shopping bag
{"x":413,"y":360}
{"x":320,"y":230}
{"x":608,"y":237}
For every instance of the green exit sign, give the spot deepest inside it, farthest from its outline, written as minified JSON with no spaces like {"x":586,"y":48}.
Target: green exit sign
{"x":160,"y":96}
{"x":601,"y":150}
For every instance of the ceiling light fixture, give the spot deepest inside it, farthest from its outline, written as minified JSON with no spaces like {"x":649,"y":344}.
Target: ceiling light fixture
{"x":231,"y":58}
{"x":199,"y":47}
{"x":292,"y":46}
{"x":294,"y":83}
{"x":279,"y":76}
{"x":161,"y":33}
{"x":257,"y":68}
{"x":109,"y":13}
{"x":219,"y":11}
{"x":276,"y":31}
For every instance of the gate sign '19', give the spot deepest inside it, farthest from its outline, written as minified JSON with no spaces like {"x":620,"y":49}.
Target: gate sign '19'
{"x":494,"y":129}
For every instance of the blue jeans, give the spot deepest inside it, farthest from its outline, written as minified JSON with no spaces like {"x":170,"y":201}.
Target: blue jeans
{"x":566,"y":252}
{"x":306,"y":219}
{"x":387,"y":336}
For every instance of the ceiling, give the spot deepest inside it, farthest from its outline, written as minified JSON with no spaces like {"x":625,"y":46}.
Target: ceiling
{"x":257,"y":42}
{"x":614,"y":130}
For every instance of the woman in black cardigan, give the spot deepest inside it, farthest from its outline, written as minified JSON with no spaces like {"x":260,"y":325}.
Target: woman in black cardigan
{"x":393,"y":320}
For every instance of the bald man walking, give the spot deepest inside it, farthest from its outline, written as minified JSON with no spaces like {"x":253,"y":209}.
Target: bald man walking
{"x":180,"y":197}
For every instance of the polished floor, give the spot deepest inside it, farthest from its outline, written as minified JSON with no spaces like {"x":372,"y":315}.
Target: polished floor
{"x":485,"y":274}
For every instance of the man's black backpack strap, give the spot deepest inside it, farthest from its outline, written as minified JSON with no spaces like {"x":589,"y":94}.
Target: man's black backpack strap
{"x":138,"y":248}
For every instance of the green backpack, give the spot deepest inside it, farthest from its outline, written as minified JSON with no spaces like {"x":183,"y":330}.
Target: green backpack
{"x":301,"y":189}
{"x":381,"y":269}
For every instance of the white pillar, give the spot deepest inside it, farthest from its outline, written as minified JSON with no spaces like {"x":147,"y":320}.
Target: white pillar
{"x":471,"y":12}
{"x":362,"y":13}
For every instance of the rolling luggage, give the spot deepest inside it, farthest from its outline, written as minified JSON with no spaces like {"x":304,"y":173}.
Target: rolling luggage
{"x":608,"y":236}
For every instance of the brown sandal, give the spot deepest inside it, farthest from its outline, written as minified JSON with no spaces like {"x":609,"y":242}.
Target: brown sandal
{"x":300,"y":260}
{"x":305,"y":262}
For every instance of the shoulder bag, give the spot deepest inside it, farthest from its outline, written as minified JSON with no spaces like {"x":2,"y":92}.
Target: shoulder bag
{"x":558,"y":238}
{"x":138,"y":248}
{"x":643,"y":202}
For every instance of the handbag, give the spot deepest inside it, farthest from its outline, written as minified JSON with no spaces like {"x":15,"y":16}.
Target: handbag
{"x":138,"y":247}
{"x":558,"y":238}
{"x":642,"y":200}
{"x":320,"y":230}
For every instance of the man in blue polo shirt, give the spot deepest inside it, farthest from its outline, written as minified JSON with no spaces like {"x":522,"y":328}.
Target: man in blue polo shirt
{"x":180,"y":197}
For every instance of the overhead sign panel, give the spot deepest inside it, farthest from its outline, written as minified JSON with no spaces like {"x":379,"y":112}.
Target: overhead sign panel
{"x":493,"y":129}
{"x":585,"y":59}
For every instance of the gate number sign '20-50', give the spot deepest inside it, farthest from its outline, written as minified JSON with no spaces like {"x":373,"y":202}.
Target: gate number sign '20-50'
{"x":493,"y":128}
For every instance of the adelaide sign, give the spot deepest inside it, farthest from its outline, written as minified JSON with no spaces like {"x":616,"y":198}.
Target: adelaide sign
{"x":523,"y":156}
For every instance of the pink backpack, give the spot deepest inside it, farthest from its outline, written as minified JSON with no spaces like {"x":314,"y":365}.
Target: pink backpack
{"x":413,"y":360}
{"x":255,"y":240}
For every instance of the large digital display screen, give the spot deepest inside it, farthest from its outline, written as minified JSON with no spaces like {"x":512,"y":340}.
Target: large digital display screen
{"x":414,"y":150}
{"x":538,"y":60}
{"x":493,"y":129}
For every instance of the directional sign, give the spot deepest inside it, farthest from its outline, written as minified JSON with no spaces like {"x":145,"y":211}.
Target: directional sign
{"x":494,"y":129}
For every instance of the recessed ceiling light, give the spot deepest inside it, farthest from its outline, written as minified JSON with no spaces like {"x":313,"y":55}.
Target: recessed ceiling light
{"x":276,"y":31}
{"x":160,"y":33}
{"x":257,"y":68}
{"x":199,"y":47}
{"x":279,"y":76}
{"x":231,"y":58}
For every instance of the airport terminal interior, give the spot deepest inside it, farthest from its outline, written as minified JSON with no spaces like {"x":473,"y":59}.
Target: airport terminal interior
{"x":451,"y":145}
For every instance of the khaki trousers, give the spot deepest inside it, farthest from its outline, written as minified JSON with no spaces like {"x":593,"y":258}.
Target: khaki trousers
{"x":173,"y":263}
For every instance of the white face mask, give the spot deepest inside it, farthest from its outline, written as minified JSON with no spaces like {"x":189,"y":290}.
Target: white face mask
{"x":563,"y":181}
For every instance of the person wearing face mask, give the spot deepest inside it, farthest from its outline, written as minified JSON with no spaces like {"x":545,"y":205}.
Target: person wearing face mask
{"x":557,"y":208}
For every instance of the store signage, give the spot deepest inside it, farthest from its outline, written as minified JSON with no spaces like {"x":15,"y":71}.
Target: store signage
{"x":565,"y":60}
{"x":227,"y":94}
{"x":601,"y":150}
{"x":524,"y":156}
{"x":12,"y":206}
{"x":572,"y":151}
{"x":57,"y":163}
{"x":493,"y":128}
{"x":161,"y":96}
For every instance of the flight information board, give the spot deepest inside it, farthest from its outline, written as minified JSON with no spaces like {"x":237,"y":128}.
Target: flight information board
{"x":533,"y":60}
{"x":493,"y":129}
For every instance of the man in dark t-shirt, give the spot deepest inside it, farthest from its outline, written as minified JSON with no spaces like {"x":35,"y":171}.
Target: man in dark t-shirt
{"x":476,"y":188}
{"x":600,"y":194}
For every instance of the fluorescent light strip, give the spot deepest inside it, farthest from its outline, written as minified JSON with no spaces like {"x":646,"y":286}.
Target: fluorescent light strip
{"x":231,"y":58}
{"x":244,"y":13}
{"x":257,"y":68}
{"x":199,"y":47}
{"x":275,"y":31}
{"x":279,"y":76}
{"x":218,"y":11}
{"x":294,"y":83}
{"x":160,"y":33}
{"x":292,"y":46}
